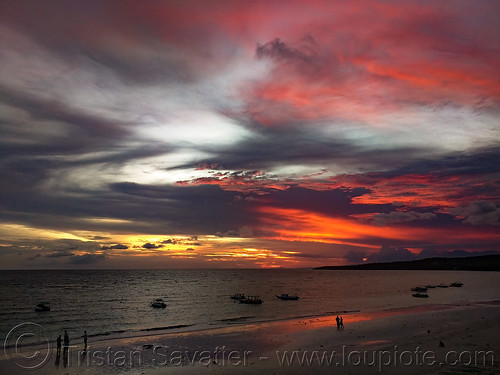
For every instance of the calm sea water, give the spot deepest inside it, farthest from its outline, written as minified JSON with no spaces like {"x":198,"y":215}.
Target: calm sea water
{"x":117,"y":302}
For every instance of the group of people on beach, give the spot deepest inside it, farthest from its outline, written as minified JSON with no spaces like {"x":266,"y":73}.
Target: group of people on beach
{"x":64,"y":343}
{"x":340,"y":322}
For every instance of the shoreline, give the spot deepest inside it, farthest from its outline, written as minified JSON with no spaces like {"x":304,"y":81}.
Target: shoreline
{"x":188,"y":328}
{"x":251,"y":347}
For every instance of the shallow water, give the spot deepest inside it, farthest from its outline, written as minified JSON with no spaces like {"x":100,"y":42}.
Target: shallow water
{"x":117,"y":302}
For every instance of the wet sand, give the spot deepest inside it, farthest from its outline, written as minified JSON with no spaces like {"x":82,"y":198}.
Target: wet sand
{"x":401,"y":341}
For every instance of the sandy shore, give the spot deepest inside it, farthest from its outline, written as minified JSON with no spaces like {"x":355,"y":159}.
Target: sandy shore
{"x":391,"y":342}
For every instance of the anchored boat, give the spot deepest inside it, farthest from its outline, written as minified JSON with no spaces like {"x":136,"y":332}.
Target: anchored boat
{"x":42,"y":306}
{"x":288,"y":297}
{"x":420,"y":295}
{"x":251,"y":300}
{"x":158,"y":304}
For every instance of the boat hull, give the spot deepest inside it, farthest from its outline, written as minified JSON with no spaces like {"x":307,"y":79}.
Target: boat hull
{"x":288,"y":298}
{"x":42,"y":307}
{"x":420,"y":295}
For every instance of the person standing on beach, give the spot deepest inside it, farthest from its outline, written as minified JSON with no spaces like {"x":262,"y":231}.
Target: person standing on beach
{"x":338,"y":322}
{"x":341,"y":323}
{"x":66,"y":348}
{"x":59,"y":341}
{"x":85,"y":340}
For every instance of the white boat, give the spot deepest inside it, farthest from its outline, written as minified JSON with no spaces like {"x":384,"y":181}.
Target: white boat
{"x":288,"y":297}
{"x":42,"y":306}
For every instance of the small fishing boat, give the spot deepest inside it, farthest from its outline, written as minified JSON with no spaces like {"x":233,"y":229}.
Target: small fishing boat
{"x":457,"y":284}
{"x":442,"y":286}
{"x":251,"y":300}
{"x":158,"y":304}
{"x":237,"y":296}
{"x":288,"y":297}
{"x":42,"y":306}
{"x":420,"y":295}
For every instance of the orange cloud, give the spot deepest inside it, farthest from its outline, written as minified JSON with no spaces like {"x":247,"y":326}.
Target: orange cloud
{"x":300,"y":225}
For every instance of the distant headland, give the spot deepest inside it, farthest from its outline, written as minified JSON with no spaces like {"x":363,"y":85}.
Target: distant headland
{"x":474,"y":263}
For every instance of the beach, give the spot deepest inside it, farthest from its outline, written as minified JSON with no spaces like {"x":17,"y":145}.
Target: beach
{"x":403,"y":340}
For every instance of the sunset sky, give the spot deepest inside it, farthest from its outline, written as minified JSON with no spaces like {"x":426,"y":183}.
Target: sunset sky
{"x":178,"y":134}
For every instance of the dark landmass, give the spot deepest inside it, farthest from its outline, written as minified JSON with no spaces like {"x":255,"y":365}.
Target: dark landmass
{"x":475,"y":263}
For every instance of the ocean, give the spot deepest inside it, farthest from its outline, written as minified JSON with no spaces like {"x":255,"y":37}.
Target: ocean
{"x":108,"y":303}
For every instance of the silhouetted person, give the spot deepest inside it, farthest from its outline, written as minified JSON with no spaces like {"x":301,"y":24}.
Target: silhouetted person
{"x":341,"y":323}
{"x":59,"y":342}
{"x":58,"y":353}
{"x":338,"y":322}
{"x":66,"y":348}
{"x":85,"y":340}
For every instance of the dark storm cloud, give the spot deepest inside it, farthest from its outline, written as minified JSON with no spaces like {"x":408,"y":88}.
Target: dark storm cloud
{"x":333,"y":202}
{"x":480,"y":163}
{"x":99,"y":238}
{"x":476,"y":161}
{"x":179,"y":209}
{"x":240,"y":232}
{"x":62,"y":246}
{"x":169,"y":241}
{"x":151,"y":246}
{"x":76,"y":259}
{"x":119,"y":38}
{"x":273,"y":148}
{"x":115,"y":247}
{"x":86,"y":259}
{"x":210,"y":209}
{"x":33,"y":190}
{"x":355,"y":256}
{"x":430,"y":252}
{"x":402,"y":217}
{"x":391,"y":254}
{"x":279,"y":50}
{"x":39,"y":109}
{"x":479,"y":213}
{"x":458,"y":177}
{"x":59,"y":254}
{"x":295,"y":145}
{"x":203,"y":209}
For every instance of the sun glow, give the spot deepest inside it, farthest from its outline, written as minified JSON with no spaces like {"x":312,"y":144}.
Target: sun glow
{"x":16,"y":231}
